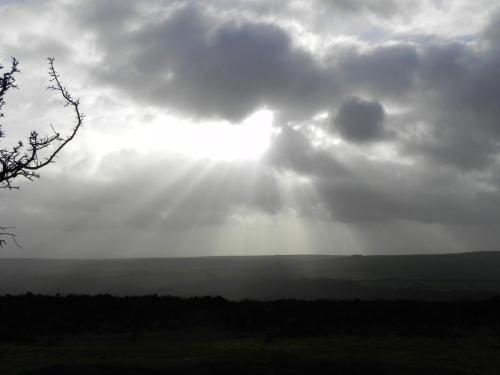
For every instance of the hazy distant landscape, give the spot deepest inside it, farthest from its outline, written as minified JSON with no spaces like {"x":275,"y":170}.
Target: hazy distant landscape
{"x":434,"y":277}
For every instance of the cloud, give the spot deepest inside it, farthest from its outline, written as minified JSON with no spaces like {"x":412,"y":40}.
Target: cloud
{"x":383,"y":8}
{"x":492,"y":31}
{"x":384,"y":71}
{"x":412,"y":139}
{"x":196,"y":64}
{"x":292,"y":150}
{"x":359,"y":120}
{"x":458,"y":99}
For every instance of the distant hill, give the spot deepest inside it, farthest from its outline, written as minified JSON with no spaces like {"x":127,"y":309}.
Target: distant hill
{"x":434,"y":277}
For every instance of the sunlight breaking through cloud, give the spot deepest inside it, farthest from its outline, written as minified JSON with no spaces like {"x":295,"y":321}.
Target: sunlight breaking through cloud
{"x":297,"y":126}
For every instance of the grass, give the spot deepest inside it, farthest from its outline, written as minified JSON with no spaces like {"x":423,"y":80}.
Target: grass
{"x":206,"y":352}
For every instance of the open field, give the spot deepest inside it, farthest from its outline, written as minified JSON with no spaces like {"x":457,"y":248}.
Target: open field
{"x":199,"y":352}
{"x":430,"y":277}
{"x":160,"y":335}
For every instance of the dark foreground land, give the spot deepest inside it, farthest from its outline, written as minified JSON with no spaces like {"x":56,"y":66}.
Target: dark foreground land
{"x":168,"y":335}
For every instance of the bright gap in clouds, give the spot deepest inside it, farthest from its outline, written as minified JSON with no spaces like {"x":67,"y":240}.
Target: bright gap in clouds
{"x":217,"y":140}
{"x":223,"y":140}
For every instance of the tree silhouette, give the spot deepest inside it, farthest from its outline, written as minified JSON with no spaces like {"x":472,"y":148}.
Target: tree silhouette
{"x":25,"y":159}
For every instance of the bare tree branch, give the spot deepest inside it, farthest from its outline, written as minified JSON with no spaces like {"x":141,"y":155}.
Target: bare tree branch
{"x":25,"y":159}
{"x":7,"y":82}
{"x":4,"y":232}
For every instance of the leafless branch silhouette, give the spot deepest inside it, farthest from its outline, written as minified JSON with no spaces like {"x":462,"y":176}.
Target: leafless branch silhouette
{"x":25,"y":159}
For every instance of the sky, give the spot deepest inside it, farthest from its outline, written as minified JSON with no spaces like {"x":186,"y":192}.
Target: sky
{"x":246,"y":127}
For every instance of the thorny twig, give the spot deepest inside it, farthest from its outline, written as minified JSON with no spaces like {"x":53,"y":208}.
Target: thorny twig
{"x":24,"y":160}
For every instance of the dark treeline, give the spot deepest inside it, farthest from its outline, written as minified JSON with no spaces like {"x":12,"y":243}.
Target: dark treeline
{"x":29,"y":316}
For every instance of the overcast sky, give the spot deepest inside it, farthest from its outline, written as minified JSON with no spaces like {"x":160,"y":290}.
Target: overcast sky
{"x":258,"y":126}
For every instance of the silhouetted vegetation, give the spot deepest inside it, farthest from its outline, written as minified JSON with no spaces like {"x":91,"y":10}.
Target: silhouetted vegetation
{"x":79,"y":334}
{"x":449,"y":322}
{"x":32,"y":316}
{"x":287,"y":366}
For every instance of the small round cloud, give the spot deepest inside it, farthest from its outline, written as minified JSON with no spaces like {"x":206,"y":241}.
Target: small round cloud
{"x":359,"y":120}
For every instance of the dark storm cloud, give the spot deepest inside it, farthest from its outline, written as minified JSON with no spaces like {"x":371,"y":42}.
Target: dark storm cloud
{"x":459,"y":95}
{"x":462,"y":77}
{"x":358,"y":202}
{"x":292,"y":150}
{"x":359,"y":120}
{"x":456,"y":141}
{"x":385,"y":71}
{"x":191,"y":63}
{"x":492,"y":32}
{"x":204,"y":65}
{"x":359,"y":191}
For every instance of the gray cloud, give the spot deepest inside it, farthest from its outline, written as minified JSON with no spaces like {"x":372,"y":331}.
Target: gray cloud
{"x":292,"y":150}
{"x":492,"y":31}
{"x":359,"y":120}
{"x":383,"y":8}
{"x":440,"y":92}
{"x":459,"y":96}
{"x":358,"y":202}
{"x":191,"y":62}
{"x":385,"y":71}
